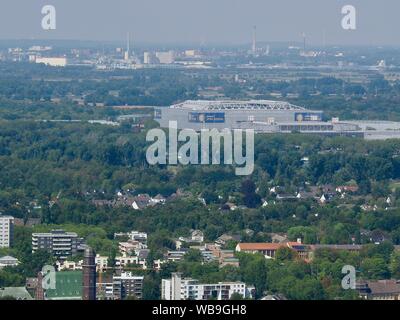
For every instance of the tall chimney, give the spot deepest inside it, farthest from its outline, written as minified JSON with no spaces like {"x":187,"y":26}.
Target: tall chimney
{"x":39,"y":293}
{"x":254,"y":46}
{"x":89,"y":275}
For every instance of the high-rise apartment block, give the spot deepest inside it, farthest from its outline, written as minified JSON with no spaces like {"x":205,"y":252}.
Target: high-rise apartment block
{"x":57,"y":242}
{"x":6,"y":231}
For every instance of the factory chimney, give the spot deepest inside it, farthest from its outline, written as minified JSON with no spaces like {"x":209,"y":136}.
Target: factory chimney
{"x":89,"y":275}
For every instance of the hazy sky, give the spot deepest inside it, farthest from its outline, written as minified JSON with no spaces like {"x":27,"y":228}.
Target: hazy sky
{"x":209,"y":21}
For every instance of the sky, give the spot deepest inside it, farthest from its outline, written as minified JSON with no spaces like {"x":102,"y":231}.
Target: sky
{"x":204,"y":21}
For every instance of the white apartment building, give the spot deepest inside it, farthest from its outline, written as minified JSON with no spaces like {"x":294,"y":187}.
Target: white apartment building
{"x":178,"y":288}
{"x":53,"y":61}
{"x":134,"y":236}
{"x":120,"y":262}
{"x":6,"y":231}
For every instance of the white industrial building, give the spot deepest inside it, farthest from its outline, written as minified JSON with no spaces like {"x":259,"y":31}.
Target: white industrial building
{"x":165,"y":57}
{"x":53,"y":62}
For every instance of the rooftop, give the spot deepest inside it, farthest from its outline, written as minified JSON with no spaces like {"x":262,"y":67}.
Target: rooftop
{"x":8,"y":258}
{"x":19,"y":293}
{"x":268,"y":246}
{"x":384,"y":287}
{"x":55,"y":233}
{"x":236,"y":105}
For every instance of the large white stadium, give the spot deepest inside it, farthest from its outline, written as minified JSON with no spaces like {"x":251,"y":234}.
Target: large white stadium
{"x":265,"y":116}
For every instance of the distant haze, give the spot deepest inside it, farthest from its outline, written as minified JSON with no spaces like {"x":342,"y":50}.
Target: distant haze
{"x":204,"y":21}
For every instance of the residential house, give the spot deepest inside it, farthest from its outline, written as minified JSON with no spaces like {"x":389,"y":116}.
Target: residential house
{"x":158,"y":199}
{"x":344,"y":189}
{"x":223,"y":239}
{"x":175,"y":255}
{"x":379,"y":290}
{"x":196,"y":236}
{"x":278,"y":238}
{"x":8,"y":261}
{"x":131,"y":247}
{"x":69,"y":265}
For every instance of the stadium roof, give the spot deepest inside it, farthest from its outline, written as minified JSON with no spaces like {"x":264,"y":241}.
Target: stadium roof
{"x":204,"y":105}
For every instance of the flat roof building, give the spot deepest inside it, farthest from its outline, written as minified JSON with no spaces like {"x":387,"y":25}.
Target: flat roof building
{"x":178,"y":288}
{"x":6,"y":231}
{"x":57,"y":242}
{"x":267,"y":116}
{"x":8,"y":261}
{"x":205,"y":114}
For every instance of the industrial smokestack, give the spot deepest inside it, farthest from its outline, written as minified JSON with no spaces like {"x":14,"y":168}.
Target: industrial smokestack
{"x":128,"y":47}
{"x":89,"y":275}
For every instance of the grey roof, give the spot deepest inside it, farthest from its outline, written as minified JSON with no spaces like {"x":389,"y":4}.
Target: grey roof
{"x":384,"y":287}
{"x":6,"y":216}
{"x":8,"y":258}
{"x":19,"y":293}
{"x":143,"y":254}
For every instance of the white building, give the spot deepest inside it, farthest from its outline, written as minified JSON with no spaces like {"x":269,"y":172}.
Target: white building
{"x":120,"y":262}
{"x":54,"y":62}
{"x":178,"y":288}
{"x":8,"y":261}
{"x":6,"y":231}
{"x":69,"y":265}
{"x":138,"y":236}
{"x":149,"y":58}
{"x":166,"y":57}
{"x":130,"y":247}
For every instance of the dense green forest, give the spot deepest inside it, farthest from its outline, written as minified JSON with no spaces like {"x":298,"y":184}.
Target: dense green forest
{"x":79,"y":162}
{"x":86,"y":162}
